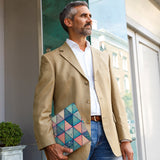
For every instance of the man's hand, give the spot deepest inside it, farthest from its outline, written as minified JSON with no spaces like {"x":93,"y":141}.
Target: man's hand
{"x":126,"y":150}
{"x":55,"y":152}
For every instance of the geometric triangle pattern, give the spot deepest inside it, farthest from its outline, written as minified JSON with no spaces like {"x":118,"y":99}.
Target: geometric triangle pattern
{"x":69,"y":129}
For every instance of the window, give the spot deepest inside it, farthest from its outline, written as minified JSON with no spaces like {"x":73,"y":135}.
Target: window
{"x":125,"y":66}
{"x":118,"y":81}
{"x":102,"y":46}
{"x":115,"y":60}
{"x":126,"y":83}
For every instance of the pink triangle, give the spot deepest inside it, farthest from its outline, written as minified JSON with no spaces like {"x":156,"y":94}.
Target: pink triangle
{"x":84,"y":140}
{"x":67,"y":126}
{"x":79,"y":140}
{"x":78,"y":127}
{"x":62,"y":137}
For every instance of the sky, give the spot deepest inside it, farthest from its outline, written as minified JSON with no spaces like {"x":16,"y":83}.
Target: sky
{"x":110,"y":15}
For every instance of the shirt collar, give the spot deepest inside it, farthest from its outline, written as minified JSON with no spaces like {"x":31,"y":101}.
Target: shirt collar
{"x":73,"y":44}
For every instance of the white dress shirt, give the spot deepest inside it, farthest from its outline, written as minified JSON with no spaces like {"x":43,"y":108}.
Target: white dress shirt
{"x":85,"y":60}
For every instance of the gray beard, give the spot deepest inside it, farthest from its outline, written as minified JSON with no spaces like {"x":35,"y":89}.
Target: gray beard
{"x":86,"y":31}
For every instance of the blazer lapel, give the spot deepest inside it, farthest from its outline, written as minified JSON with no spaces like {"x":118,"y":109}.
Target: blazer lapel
{"x":66,"y":52}
{"x":96,"y":61}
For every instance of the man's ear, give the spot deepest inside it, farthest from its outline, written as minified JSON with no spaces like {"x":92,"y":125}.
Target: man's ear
{"x":68,"y":22}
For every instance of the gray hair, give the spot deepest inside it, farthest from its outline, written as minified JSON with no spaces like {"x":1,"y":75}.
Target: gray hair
{"x":69,"y":12}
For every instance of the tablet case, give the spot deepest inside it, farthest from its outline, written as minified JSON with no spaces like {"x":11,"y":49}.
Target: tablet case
{"x":69,"y":129}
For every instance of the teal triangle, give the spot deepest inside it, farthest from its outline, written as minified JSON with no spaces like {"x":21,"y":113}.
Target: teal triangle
{"x":59,"y":141}
{"x":86,"y":134}
{"x":77,"y":115}
{"x":70,"y":144}
{"x":66,"y":113}
{"x":70,"y":119}
{"x":70,"y":132}
{"x":75,"y":145}
{"x":59,"y":131}
{"x":75,"y":120}
{"x":69,"y":108}
{"x":74,"y":109}
{"x":61,"y":125}
{"x":67,"y":138}
{"x":76,"y":133}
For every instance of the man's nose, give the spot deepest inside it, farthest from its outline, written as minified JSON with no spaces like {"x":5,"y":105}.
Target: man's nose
{"x":89,"y":19}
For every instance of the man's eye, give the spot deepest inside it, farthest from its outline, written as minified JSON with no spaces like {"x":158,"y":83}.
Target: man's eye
{"x":86,"y":15}
{"x":83,"y":15}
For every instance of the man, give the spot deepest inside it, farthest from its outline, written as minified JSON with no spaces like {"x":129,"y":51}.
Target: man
{"x":78,"y":73}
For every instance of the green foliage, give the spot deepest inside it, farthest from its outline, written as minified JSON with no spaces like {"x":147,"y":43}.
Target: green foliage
{"x":127,"y":99}
{"x":128,"y":104}
{"x":10,"y":134}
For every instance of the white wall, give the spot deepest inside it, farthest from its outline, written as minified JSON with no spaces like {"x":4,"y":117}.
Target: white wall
{"x":21,"y":68}
{"x":144,"y":13}
{"x":2,"y":61}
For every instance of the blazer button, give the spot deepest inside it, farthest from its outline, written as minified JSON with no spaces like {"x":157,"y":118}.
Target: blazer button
{"x":88,"y":101}
{"x":88,"y":121}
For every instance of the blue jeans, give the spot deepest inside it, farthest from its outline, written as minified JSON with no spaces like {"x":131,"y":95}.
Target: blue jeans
{"x":100,"y":148}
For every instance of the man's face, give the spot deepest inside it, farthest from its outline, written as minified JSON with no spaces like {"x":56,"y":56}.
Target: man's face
{"x":82,"y":23}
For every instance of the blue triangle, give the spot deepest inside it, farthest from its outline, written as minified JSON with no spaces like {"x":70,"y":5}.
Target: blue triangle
{"x":66,"y":113}
{"x":70,"y":120}
{"x":59,"y":130}
{"x":61,"y":125}
{"x":76,"y":120}
{"x":70,"y":144}
{"x":76,"y":145}
{"x":68,"y":138}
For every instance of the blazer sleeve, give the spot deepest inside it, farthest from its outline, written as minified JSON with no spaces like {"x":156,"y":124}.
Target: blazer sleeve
{"x":118,"y":108}
{"x":42,"y":107}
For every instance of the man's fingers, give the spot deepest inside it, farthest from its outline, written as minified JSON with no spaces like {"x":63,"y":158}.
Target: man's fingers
{"x":67,"y":150}
{"x":55,"y":152}
{"x":62,"y":157}
{"x":130,"y":156}
{"x":123,"y":156}
{"x":127,"y":151}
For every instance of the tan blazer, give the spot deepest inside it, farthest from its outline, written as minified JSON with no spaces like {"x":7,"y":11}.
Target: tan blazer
{"x":63,"y":80}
